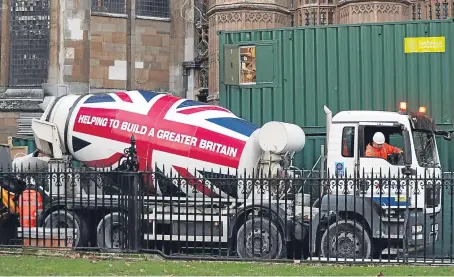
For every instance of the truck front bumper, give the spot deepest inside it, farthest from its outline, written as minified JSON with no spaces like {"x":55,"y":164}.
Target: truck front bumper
{"x":422,"y":230}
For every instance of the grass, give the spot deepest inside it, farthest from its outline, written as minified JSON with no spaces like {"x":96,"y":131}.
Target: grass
{"x":27,"y":265}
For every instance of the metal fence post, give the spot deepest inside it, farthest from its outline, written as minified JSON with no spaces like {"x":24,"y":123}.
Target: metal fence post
{"x":407,"y":217}
{"x":133,"y":212}
{"x":131,"y":187}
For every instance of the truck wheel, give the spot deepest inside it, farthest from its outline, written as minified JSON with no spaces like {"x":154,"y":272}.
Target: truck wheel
{"x":66,"y":219}
{"x":8,"y":229}
{"x":111,"y":233}
{"x":347,"y":237}
{"x":264,"y":241}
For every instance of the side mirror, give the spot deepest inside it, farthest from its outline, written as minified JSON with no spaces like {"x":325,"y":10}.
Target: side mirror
{"x":407,"y":149}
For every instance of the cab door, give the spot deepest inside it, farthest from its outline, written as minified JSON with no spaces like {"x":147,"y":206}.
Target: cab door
{"x":345,"y":162}
{"x":381,"y":174}
{"x":375,"y":166}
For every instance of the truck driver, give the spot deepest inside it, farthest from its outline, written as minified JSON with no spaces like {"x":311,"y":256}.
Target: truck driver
{"x":379,"y":148}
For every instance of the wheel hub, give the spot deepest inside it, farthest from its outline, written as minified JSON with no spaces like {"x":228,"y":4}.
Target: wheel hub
{"x":258,"y":242}
{"x":345,"y":244}
{"x":116,"y":241}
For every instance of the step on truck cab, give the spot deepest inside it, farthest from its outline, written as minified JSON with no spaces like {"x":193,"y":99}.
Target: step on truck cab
{"x":370,"y":201}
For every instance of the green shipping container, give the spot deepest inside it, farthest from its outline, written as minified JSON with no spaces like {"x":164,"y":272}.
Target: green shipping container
{"x":346,"y":67}
{"x":24,"y":141}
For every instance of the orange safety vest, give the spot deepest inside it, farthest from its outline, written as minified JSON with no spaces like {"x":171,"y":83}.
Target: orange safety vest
{"x":381,"y":152}
{"x":30,"y":204}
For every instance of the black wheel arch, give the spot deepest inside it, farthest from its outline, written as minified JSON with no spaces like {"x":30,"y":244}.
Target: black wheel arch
{"x":100,"y":211}
{"x":79,"y":222}
{"x":360,"y":209}
{"x":354,"y":226}
{"x":47,"y":210}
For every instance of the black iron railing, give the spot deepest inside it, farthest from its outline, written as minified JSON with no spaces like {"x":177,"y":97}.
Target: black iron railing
{"x":205,"y":214}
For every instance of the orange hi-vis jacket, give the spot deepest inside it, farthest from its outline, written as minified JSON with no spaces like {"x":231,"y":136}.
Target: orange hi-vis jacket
{"x":381,"y":152}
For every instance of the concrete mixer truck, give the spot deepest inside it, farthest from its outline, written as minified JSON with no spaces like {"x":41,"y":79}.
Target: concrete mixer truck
{"x":204,"y":160}
{"x":215,"y":158}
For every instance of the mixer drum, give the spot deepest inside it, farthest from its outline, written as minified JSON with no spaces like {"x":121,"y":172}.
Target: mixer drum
{"x":187,"y":144}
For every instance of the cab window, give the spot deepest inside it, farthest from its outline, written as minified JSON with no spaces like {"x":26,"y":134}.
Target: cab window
{"x":393,"y":138}
{"x":348,"y":141}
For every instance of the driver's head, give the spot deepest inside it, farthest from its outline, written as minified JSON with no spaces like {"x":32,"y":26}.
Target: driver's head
{"x":378,"y":139}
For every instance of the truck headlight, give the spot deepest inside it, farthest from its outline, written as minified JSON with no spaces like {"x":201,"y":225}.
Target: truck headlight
{"x":416,"y":229}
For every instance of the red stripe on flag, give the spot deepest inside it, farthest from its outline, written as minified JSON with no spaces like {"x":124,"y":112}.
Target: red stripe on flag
{"x":105,"y":162}
{"x":162,"y":106}
{"x":201,"y":109}
{"x":193,"y":182}
{"x":124,"y":96}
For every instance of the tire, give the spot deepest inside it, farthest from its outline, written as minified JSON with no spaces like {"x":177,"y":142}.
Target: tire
{"x":108,"y":235}
{"x":8,"y":230}
{"x":270,"y":239}
{"x":350,"y":241}
{"x":67,"y":219}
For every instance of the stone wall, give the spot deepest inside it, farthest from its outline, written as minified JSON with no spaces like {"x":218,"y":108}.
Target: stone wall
{"x":177,"y":48}
{"x":75,"y":29}
{"x":108,"y":53}
{"x":8,"y":125}
{"x":88,"y":50}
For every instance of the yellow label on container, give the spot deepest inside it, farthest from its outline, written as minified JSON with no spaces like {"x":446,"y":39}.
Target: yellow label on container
{"x":424,"y":45}
{"x":400,"y":199}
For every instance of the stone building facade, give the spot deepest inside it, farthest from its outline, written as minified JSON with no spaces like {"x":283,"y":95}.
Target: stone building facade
{"x":79,"y":46}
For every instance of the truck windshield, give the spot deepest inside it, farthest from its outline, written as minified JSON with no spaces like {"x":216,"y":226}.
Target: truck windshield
{"x":425,"y":148}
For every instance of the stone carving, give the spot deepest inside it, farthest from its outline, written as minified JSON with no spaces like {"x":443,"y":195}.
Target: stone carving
{"x":362,"y":8}
{"x":310,"y":12}
{"x":406,"y":11}
{"x":321,"y":15}
{"x":344,"y":12}
{"x":258,"y":17}
{"x":388,"y":8}
{"x":199,"y":65}
{"x":355,"y":12}
{"x":202,"y":55}
{"x":250,"y":17}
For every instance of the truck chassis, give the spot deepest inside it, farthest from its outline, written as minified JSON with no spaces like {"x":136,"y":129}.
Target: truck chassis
{"x":233,"y":225}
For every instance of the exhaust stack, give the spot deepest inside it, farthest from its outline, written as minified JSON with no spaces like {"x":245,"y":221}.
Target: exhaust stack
{"x":329,"y":117}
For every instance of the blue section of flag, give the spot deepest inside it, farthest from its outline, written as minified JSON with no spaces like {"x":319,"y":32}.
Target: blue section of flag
{"x":235,"y":124}
{"x":101,"y":98}
{"x":148,"y":95}
{"x":190,"y":103}
{"x":391,"y":201}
